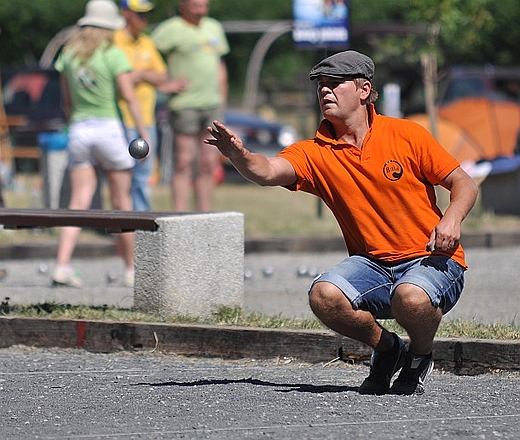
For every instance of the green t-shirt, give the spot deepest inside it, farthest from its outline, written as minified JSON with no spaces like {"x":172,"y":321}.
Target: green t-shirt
{"x":194,"y":53}
{"x":92,"y":85}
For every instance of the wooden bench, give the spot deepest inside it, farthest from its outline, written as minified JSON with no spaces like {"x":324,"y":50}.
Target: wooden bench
{"x":112,"y":221}
{"x":185,"y":263}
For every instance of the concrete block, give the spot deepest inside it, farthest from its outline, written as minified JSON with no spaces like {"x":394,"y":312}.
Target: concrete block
{"x":193,"y":264}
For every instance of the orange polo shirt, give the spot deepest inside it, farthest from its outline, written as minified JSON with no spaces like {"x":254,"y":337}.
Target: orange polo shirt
{"x":382,"y":195}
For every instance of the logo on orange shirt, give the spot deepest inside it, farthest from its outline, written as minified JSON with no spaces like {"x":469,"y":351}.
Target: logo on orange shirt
{"x":393,"y":170}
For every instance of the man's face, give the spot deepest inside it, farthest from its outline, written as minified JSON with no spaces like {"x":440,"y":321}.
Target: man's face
{"x":194,"y":10}
{"x":339,"y":97}
{"x":136,"y":21}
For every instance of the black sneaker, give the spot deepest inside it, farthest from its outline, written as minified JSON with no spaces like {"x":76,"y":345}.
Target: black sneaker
{"x":383,"y":365}
{"x":413,"y":375}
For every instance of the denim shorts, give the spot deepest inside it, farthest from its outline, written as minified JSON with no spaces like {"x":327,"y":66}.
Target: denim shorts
{"x":369,"y":285}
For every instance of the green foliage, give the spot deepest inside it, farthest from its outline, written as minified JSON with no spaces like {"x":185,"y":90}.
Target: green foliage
{"x":251,"y":10}
{"x":471,"y":30}
{"x":377,"y":11}
{"x":505,"y":36}
{"x":232,"y":9}
{"x":28,"y":25}
{"x":463,"y":25}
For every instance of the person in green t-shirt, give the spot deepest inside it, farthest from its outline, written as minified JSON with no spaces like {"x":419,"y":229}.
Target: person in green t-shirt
{"x":193,"y":45}
{"x":93,"y":73}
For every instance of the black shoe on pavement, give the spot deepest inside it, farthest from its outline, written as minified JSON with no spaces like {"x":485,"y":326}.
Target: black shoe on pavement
{"x":383,"y":365}
{"x":413,"y":375}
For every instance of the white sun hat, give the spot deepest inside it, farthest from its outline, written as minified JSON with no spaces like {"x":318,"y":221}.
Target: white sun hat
{"x":102,"y":14}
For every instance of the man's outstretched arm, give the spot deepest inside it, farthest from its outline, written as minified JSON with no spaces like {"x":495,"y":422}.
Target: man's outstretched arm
{"x":265,"y":171}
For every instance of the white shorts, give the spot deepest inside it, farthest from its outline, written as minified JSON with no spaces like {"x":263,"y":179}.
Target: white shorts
{"x":99,"y":143}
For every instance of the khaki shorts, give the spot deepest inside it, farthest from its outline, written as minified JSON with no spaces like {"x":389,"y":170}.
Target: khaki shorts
{"x":194,"y":121}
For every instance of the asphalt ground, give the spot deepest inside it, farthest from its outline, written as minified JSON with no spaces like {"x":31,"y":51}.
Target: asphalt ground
{"x":75,"y":394}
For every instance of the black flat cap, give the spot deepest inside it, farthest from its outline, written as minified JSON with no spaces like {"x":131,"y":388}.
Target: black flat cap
{"x":348,"y":64}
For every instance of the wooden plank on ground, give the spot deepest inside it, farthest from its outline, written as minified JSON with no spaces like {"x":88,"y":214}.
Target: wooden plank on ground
{"x":463,"y":356}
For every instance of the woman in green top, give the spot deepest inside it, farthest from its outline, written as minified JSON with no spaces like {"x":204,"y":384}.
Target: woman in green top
{"x":94,"y":72}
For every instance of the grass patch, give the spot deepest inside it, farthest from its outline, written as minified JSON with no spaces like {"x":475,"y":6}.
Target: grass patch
{"x":232,"y":316}
{"x":463,"y":328}
{"x":235,"y":316}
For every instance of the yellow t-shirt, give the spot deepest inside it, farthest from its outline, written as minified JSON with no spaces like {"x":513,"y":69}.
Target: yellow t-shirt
{"x":382,"y":195}
{"x":142,"y":54}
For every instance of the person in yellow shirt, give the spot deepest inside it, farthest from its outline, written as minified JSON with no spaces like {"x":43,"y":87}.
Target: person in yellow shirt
{"x":149,"y":73}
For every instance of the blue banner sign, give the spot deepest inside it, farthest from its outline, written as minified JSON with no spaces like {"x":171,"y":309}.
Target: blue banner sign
{"x":321,"y":23}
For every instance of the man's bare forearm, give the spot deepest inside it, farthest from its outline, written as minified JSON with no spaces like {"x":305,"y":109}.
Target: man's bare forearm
{"x":254,"y":167}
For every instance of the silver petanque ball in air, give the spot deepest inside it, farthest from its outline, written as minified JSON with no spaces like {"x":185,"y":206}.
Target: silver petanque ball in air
{"x":138,"y":148}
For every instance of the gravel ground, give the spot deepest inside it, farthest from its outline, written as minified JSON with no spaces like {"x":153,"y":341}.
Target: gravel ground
{"x":73,"y":394}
